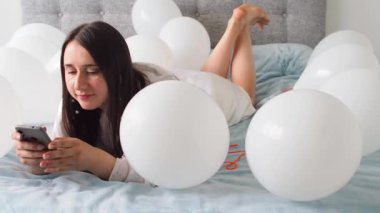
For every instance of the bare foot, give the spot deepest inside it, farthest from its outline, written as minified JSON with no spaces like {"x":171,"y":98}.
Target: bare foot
{"x":237,"y":19}
{"x":248,"y":14}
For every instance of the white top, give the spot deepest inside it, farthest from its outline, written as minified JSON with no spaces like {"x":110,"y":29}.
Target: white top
{"x":233,"y":100}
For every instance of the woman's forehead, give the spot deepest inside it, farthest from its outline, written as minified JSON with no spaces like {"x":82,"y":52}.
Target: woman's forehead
{"x":76,"y":54}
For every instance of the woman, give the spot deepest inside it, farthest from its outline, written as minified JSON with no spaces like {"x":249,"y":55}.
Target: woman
{"x":98,"y":82}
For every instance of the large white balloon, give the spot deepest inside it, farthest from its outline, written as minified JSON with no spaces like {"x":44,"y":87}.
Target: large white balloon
{"x":44,"y":31}
{"x":39,"y":96}
{"x":360,"y":91}
{"x":189,"y":42}
{"x":303,"y":145}
{"x":8,"y":115}
{"x":37,"y":47}
{"x":53,"y":68}
{"x":54,"y":64}
{"x":334,"y":60}
{"x":149,"y":16}
{"x":338,"y":38}
{"x":174,"y":135}
{"x":150,"y":49}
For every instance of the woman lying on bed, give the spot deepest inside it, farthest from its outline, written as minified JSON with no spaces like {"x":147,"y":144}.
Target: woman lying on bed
{"x":100,"y":80}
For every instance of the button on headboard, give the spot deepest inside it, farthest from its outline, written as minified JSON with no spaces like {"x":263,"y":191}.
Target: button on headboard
{"x":292,"y":21}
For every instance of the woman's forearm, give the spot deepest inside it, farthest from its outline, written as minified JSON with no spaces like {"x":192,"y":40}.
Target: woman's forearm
{"x":102,"y":163}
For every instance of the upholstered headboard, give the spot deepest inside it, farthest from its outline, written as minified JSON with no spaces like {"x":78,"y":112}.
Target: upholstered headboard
{"x":292,"y":21}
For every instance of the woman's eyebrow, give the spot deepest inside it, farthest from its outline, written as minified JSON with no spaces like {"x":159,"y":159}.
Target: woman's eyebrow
{"x":85,"y":65}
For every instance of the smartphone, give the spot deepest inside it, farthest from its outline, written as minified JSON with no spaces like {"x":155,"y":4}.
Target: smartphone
{"x":35,"y":134}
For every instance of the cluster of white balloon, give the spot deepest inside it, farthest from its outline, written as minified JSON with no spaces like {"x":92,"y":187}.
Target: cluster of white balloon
{"x":29,"y":69}
{"x":166,"y":38}
{"x":167,"y":139}
{"x":307,"y":143}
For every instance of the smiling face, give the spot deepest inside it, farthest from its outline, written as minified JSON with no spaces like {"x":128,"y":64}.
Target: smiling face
{"x":84,"y":80}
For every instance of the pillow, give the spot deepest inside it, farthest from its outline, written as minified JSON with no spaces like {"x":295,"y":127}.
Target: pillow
{"x":278,"y":67}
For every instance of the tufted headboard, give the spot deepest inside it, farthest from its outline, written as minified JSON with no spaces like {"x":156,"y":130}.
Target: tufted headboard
{"x":292,"y":21}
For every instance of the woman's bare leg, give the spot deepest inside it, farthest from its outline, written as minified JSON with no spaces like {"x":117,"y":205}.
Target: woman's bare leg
{"x":234,"y":48}
{"x":220,"y":59}
{"x":243,"y":70}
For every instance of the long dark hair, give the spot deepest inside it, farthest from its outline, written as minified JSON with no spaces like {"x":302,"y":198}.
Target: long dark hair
{"x":111,"y":54}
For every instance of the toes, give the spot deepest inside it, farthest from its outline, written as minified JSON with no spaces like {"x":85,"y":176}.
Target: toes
{"x":254,"y":14}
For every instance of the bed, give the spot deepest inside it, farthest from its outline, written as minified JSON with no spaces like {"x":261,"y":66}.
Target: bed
{"x":281,"y":53}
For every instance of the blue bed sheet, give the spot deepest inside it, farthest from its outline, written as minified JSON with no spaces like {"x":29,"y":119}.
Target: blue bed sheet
{"x":232,"y":189}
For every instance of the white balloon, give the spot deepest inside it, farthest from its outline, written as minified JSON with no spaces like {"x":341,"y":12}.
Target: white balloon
{"x":149,"y":16}
{"x":8,"y":115}
{"x":53,"y":68}
{"x":38,"y":95}
{"x":341,"y":37}
{"x":171,"y":141}
{"x":359,"y":90}
{"x":189,"y":42}
{"x":150,"y":49}
{"x":44,"y":31}
{"x":303,"y":145}
{"x":334,"y":60}
{"x":54,"y":63}
{"x":37,"y":47}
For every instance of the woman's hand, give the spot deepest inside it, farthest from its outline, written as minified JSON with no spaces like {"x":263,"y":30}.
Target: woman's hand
{"x":29,"y":153}
{"x":66,"y":153}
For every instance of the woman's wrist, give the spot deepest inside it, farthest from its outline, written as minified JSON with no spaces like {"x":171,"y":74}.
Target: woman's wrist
{"x":102,"y":163}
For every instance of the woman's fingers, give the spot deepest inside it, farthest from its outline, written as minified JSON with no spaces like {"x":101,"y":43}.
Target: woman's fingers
{"x":29,"y":154}
{"x":58,"y":169}
{"x":16,"y":136}
{"x":61,"y":164}
{"x":59,"y":153}
{"x":58,"y":143}
{"x":31,"y":161}
{"x":65,"y":154}
{"x":24,"y":145}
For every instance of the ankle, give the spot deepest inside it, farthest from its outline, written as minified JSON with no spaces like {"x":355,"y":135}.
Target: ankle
{"x":237,"y":20}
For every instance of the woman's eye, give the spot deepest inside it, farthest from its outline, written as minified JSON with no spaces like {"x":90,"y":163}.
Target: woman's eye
{"x":93,"y":70}
{"x":70,"y":71}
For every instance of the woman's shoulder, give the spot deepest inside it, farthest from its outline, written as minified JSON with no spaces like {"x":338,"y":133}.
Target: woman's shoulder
{"x":154,"y":73}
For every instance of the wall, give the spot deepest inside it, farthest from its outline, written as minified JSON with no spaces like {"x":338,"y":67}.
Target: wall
{"x":10,"y":19}
{"x":357,"y":15}
{"x":362,"y":16}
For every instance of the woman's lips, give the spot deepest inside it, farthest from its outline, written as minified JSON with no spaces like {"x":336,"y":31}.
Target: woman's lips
{"x":84,"y":97}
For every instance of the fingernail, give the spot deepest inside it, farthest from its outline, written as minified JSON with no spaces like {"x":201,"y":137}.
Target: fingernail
{"x":45,"y":156}
{"x":43,"y":164}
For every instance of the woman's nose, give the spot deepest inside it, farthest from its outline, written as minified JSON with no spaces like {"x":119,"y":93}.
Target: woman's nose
{"x":80,"y":81}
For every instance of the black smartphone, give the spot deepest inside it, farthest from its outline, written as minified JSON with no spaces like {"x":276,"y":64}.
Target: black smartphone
{"x":35,"y":134}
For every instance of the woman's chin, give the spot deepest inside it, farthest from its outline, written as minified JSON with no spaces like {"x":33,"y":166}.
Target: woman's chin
{"x":88,"y":106}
